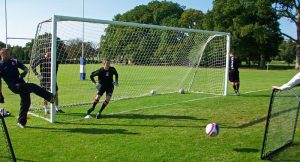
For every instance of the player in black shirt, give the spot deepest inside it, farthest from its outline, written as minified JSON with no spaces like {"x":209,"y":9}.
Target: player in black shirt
{"x":234,"y":77}
{"x":44,"y":63}
{"x":105,"y":84}
{"x":10,"y":74}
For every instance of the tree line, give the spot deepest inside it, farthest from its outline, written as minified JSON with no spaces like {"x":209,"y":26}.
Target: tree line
{"x":255,"y":34}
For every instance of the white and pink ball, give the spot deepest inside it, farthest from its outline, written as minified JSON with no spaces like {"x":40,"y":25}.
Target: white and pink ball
{"x":212,"y":129}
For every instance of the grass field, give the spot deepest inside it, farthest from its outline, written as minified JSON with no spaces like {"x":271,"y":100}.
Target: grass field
{"x":159,"y":128}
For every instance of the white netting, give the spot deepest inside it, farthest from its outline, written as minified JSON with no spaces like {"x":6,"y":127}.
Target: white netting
{"x":281,"y":121}
{"x":146,"y":59}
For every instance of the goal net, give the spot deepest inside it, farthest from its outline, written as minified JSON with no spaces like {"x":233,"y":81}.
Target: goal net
{"x":281,"y":122}
{"x":147,"y":57}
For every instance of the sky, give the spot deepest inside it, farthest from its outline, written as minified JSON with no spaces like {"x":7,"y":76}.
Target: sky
{"x":23,"y":16}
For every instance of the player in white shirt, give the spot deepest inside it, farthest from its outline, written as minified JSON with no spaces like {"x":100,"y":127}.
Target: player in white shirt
{"x":292,"y":83}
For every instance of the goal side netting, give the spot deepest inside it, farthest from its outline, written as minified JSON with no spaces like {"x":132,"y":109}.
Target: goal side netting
{"x":281,"y":122}
{"x":147,"y":57}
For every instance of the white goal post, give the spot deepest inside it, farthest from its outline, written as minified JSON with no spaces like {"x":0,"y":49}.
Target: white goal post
{"x":147,"y":57}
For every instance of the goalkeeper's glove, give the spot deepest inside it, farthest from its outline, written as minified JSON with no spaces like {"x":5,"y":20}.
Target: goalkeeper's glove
{"x":39,"y":76}
{"x":98,"y":86}
{"x":116,"y":83}
{"x":1,"y":98}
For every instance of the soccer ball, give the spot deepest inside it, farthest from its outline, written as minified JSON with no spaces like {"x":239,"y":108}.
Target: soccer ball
{"x":212,"y":129}
{"x":153,"y":92}
{"x":181,"y":91}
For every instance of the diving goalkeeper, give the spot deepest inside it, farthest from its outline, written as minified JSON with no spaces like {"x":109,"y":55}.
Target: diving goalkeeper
{"x":105,"y":84}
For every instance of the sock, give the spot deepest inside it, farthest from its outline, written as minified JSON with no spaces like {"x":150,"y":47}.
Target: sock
{"x":90,"y":110}
{"x":105,"y":103}
{"x":95,"y":103}
{"x":234,"y":87}
{"x":238,"y":86}
{"x":93,"y":107}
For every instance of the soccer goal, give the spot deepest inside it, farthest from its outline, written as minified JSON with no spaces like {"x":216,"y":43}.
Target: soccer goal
{"x":281,"y":122}
{"x":6,"y":151}
{"x":147,"y":57}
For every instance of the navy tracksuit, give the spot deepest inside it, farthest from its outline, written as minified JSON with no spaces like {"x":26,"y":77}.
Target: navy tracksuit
{"x":10,"y":74}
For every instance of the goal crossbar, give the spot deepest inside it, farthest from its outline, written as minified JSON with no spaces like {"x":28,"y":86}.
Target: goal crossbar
{"x":80,"y":19}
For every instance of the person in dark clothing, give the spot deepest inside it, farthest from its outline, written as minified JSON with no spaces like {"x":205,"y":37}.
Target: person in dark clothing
{"x":15,"y":82}
{"x":44,"y":76}
{"x":105,"y":84}
{"x":234,"y":75}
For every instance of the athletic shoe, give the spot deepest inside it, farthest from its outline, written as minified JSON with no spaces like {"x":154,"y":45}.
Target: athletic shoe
{"x":237,"y":93}
{"x":4,"y":112}
{"x":98,"y":115}
{"x":21,"y":125}
{"x":59,"y":110}
{"x":88,"y":116}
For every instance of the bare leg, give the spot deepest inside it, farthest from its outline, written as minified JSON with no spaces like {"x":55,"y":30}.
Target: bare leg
{"x":46,"y":107}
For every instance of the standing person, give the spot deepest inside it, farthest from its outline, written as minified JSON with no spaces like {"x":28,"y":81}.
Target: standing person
{"x":234,"y":75}
{"x":105,"y":84}
{"x":15,"y":82}
{"x":290,"y":84}
{"x":45,"y":76}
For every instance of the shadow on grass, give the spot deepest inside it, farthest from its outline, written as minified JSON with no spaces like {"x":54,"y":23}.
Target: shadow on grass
{"x":87,"y":130}
{"x":25,"y":160}
{"x":4,"y":158}
{"x":138,"y":116}
{"x":291,"y":153}
{"x":136,"y":125}
{"x":245,"y":150}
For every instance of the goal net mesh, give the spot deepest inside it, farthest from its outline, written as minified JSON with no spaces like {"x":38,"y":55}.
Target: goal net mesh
{"x":146,"y":58}
{"x":281,"y":122}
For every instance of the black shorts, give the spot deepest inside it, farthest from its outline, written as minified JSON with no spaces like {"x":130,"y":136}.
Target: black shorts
{"x":108,"y":89}
{"x":234,"y":76}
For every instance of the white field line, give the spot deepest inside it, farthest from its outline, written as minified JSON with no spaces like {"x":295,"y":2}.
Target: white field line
{"x":258,"y":91}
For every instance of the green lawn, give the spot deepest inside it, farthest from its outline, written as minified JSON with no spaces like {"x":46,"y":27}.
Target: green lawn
{"x":156,"y":128}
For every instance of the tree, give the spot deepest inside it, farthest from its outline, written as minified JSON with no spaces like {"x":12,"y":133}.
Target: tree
{"x":158,"y":13}
{"x":2,"y":45}
{"x":191,"y":18}
{"x":74,"y":50}
{"x":287,"y":51}
{"x":291,"y":9}
{"x":18,"y":53}
{"x":163,"y":43}
{"x":44,"y":41}
{"x":28,"y":49}
{"x":253,"y":26}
